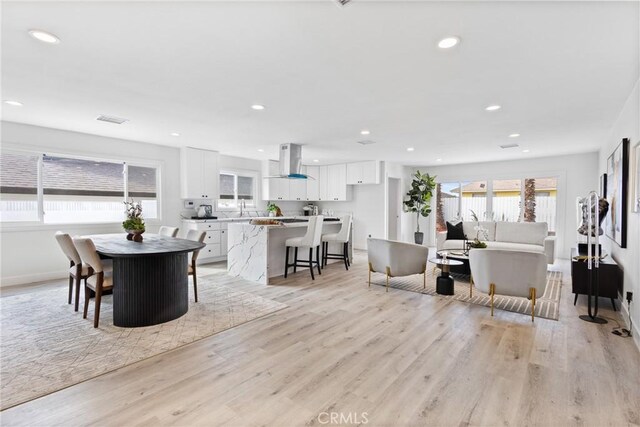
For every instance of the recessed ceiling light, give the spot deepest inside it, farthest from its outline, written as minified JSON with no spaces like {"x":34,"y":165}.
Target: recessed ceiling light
{"x":365,"y":132}
{"x":448,"y":42}
{"x":257,"y":107}
{"x":315,"y":160}
{"x":438,"y":160}
{"x":174,"y":134}
{"x":493,"y":108}
{"x":410,"y":149}
{"x":514,"y":135}
{"x":13,"y":103}
{"x":260,"y":150}
{"x":525,"y":151}
{"x":44,"y":36}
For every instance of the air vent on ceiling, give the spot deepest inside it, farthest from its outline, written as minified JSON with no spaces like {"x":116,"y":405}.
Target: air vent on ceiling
{"x":111,"y":119}
{"x":366,"y":142}
{"x":342,"y":2}
{"x":509,"y":146}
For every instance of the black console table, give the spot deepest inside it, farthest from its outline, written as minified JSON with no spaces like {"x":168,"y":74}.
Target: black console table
{"x":610,"y":275}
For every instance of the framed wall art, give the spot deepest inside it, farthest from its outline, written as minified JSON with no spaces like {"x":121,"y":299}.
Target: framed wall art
{"x":617,"y":185}
{"x":636,"y":178}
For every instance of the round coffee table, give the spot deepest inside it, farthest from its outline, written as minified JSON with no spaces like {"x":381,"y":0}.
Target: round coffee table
{"x":459,"y":255}
{"x":444,"y":282}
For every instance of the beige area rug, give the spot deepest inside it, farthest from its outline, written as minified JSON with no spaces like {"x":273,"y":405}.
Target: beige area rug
{"x":548,"y":306}
{"x":46,"y":346}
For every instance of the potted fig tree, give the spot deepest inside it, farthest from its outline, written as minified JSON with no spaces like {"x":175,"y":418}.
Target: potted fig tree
{"x":419,"y":200}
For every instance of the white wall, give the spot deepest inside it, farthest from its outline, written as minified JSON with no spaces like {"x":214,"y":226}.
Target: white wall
{"x":627,"y":126}
{"x":30,"y":253}
{"x":575,"y":174}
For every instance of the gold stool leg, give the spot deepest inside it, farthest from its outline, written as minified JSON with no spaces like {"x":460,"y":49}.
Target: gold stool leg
{"x":471,"y":286}
{"x":492,"y":291}
{"x":388,"y":274}
{"x":532,"y":292}
{"x":370,"y":270}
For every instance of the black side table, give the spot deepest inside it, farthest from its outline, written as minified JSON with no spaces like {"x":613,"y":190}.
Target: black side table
{"x":609,"y":273}
{"x":444,"y":282}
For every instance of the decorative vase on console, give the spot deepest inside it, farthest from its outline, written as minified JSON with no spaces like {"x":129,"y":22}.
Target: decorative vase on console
{"x":134,"y":224}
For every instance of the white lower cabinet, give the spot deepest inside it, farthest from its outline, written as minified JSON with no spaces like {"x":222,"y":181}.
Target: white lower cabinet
{"x":215,"y":239}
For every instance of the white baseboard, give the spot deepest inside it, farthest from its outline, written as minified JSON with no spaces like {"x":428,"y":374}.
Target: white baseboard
{"x":635,"y":332}
{"x":33,"y":278}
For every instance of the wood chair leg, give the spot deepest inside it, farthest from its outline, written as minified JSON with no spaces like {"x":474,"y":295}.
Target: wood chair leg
{"x":310,"y":263}
{"x":195,"y":281}
{"x":70,"y":288}
{"x":318,"y":259}
{"x":575,"y":299}
{"x":470,"y":286}
{"x":96,"y":315}
{"x":286,"y":262}
{"x":77,"y":301}
{"x":424,"y":279}
{"x":492,"y":291}
{"x":87,"y":294}
{"x":295,"y":262}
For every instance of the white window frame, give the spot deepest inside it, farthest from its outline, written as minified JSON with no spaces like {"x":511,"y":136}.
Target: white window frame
{"x":40,"y":224}
{"x":242,"y":172}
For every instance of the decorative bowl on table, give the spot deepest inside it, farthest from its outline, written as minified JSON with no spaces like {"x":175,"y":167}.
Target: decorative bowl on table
{"x":135,"y":235}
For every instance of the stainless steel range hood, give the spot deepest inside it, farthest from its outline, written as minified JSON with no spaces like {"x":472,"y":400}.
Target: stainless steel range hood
{"x":290,"y":165}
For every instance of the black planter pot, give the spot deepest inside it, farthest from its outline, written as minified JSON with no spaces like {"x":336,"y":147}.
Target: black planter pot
{"x":418,"y":238}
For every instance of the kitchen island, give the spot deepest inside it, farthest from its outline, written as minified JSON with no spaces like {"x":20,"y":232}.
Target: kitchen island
{"x":257,"y":252}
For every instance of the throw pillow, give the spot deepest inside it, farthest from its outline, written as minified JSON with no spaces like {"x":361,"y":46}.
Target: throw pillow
{"x":455,"y":232}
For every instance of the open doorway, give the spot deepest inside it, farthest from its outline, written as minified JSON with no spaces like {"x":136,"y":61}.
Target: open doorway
{"x":394,"y":208}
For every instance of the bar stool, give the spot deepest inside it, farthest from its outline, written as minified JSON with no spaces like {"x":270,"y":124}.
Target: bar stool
{"x":311,"y":239}
{"x":340,"y":237}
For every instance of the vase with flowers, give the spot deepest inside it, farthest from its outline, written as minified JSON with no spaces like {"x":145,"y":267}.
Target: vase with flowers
{"x":480,"y":232}
{"x":134,"y":224}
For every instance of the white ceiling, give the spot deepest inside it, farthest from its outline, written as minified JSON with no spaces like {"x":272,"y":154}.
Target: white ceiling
{"x":562,"y":72}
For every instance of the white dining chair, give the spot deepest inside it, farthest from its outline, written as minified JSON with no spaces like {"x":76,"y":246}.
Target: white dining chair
{"x":101,"y":280}
{"x":196,"y":236}
{"x":168,"y":231}
{"x":77,"y":270}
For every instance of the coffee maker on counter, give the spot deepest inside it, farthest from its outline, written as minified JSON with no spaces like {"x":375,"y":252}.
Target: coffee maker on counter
{"x":309,"y":210}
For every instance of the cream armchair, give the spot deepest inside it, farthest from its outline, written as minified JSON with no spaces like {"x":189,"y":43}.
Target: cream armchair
{"x":396,"y":259}
{"x":508,"y":272}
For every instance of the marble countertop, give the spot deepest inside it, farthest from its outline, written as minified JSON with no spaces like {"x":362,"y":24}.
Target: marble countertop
{"x":247,"y":219}
{"x":286,"y":225}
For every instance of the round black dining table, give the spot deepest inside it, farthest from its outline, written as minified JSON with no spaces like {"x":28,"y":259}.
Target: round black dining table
{"x":150,"y":281}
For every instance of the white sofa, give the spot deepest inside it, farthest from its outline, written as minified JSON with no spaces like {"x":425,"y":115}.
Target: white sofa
{"x":514,"y":236}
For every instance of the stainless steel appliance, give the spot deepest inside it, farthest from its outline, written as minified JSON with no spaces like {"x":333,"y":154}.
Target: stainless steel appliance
{"x":204,"y":211}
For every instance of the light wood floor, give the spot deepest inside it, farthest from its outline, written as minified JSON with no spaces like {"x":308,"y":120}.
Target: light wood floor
{"x":400,"y":357}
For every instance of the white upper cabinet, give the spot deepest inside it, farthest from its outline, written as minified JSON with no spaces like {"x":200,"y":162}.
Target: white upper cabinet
{"x":298,"y":187}
{"x":337,"y":182}
{"x":363,"y":173}
{"x":274,"y":188}
{"x":323,"y":183}
{"x":199,"y":174}
{"x":330,"y":183}
{"x":313,"y":183}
